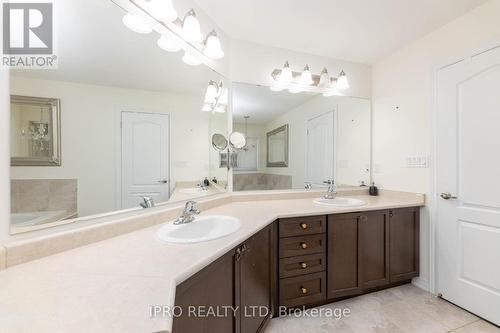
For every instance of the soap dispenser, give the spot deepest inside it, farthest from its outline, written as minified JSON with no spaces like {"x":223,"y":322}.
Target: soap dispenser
{"x":373,"y":190}
{"x":206,"y":182}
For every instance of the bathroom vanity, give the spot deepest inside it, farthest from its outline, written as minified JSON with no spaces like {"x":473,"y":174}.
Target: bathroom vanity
{"x":303,"y":262}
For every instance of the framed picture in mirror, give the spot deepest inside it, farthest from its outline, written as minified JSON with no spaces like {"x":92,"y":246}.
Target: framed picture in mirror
{"x":35,"y":131}
{"x":277,"y":147}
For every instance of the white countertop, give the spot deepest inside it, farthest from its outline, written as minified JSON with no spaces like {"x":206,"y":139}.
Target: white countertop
{"x":110,"y":286}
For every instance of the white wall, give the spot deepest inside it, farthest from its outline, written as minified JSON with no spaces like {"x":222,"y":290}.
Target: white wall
{"x":404,"y":80}
{"x":352,"y":142}
{"x":91,"y":137}
{"x":253,"y":63}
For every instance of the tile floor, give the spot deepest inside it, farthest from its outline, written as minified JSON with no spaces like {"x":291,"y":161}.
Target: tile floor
{"x":404,"y":309}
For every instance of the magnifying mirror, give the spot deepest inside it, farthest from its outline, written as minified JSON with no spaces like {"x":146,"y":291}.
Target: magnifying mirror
{"x":237,"y":140}
{"x":219,"y":142}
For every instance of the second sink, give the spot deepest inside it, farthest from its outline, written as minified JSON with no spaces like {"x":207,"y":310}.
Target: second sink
{"x":340,"y":202}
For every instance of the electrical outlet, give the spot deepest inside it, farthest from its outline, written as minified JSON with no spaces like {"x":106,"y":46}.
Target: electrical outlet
{"x":417,"y":161}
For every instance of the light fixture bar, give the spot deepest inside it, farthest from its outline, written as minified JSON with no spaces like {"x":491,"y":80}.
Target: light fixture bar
{"x":173,"y":29}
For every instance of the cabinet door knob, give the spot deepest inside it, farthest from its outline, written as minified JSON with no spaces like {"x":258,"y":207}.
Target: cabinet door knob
{"x":303,"y":290}
{"x":303,"y":265}
{"x":304,"y":226}
{"x":303,"y":245}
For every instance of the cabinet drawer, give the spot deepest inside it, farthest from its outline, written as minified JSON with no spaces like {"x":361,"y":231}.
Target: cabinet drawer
{"x":302,"y":265}
{"x":302,"y":245}
{"x":302,"y":226}
{"x":303,"y":290}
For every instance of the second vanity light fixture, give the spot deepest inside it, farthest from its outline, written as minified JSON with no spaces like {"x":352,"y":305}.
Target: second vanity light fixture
{"x":305,"y":81}
{"x":216,"y":98}
{"x":174,"y":32}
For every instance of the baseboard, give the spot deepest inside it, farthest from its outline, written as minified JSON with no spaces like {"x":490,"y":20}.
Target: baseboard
{"x":421,"y":283}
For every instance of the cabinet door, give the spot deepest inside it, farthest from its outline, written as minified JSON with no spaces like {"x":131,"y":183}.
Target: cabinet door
{"x":342,"y":256}
{"x":373,"y":240}
{"x":254,"y":281}
{"x":212,"y":287}
{"x":404,"y":244}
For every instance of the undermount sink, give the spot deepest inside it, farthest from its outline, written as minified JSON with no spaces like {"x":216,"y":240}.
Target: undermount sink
{"x":191,"y":190}
{"x":202,"y":229}
{"x":340,"y":202}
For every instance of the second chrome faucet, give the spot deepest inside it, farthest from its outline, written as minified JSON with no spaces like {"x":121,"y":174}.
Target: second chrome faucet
{"x":189,"y":213}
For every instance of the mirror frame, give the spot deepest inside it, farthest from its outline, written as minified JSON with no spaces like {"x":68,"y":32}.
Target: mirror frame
{"x":281,"y":164}
{"x":55,"y":127}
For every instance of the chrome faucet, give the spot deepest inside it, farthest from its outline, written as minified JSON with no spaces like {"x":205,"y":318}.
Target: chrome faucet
{"x":148,"y":202}
{"x":332,"y":190}
{"x":188,"y":215}
{"x":308,"y":186}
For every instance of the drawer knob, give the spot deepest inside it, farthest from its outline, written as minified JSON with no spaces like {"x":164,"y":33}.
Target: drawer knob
{"x":303,"y":265}
{"x":304,"y":226}
{"x":303,"y":290}
{"x":303,"y":245}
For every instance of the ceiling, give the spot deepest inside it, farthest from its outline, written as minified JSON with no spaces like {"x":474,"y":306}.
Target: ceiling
{"x":361,"y":31}
{"x":262,"y":104}
{"x":93,"y":46}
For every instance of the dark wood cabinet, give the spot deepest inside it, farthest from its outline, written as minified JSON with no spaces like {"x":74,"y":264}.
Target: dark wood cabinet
{"x":343,"y":275}
{"x":211,"y":287}
{"x":243,"y":279}
{"x":373,"y":249}
{"x":404,"y":228}
{"x":303,"y":261}
{"x":254,"y":264}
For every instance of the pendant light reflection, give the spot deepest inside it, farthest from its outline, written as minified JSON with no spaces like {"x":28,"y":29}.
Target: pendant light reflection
{"x":286,"y":75}
{"x":216,"y":98}
{"x":137,"y":24}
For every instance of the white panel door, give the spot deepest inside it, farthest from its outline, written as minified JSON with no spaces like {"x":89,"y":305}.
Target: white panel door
{"x":320,"y":149}
{"x":145,"y":153}
{"x":467,"y":167}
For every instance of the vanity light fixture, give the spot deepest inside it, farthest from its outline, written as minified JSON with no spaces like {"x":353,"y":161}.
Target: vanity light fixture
{"x":216,"y":98}
{"x":191,"y":28}
{"x":145,"y":16}
{"x":342,"y":82}
{"x":306,"y":77}
{"x":137,"y":24}
{"x":305,"y":81}
{"x":213,"y":48}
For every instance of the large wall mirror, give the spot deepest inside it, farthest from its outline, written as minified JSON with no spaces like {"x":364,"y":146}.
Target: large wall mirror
{"x":300,"y":140}
{"x":130,"y":120}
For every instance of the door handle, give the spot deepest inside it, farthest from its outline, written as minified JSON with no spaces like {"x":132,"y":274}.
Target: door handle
{"x":448,"y":196}
{"x":164,"y":181}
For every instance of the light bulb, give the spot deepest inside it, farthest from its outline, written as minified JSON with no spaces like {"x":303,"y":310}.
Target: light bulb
{"x":137,"y":24}
{"x":213,"y":48}
{"x":324,"y":79}
{"x":168,"y":43}
{"x":306,"y":77}
{"x":162,"y":10}
{"x":191,"y":28}
{"x":342,"y":82}
{"x":190,"y":59}
{"x":206,"y":108}
{"x":286,"y":75}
